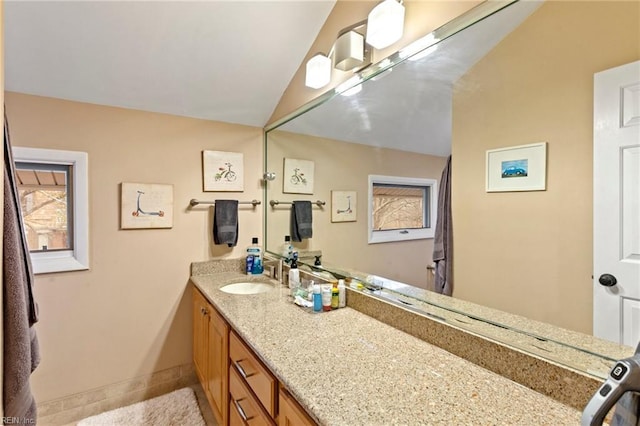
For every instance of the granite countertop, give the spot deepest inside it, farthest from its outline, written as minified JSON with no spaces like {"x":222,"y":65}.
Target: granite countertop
{"x":348,"y":368}
{"x":577,"y":351}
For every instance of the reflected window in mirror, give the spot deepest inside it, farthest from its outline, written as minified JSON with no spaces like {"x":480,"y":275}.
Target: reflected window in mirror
{"x":401,"y":208}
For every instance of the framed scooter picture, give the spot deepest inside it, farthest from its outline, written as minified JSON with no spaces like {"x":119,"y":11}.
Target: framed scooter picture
{"x":343,"y":206}
{"x":146,"y":205}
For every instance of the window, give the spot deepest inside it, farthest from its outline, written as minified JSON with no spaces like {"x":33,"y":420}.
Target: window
{"x":53,"y":191}
{"x":401,"y":208}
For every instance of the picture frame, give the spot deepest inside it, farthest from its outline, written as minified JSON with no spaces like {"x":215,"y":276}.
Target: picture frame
{"x":344,"y":206}
{"x":517,"y":168}
{"x":146,"y":205}
{"x":298,"y":176}
{"x":222,"y":171}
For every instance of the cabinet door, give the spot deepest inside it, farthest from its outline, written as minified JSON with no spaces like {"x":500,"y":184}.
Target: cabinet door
{"x":200,"y":336}
{"x":291,"y":414}
{"x":218,"y":366}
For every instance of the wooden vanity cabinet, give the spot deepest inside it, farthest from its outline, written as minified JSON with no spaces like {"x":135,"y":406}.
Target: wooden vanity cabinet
{"x":211,"y":355}
{"x":253,"y":373}
{"x":244,"y":408}
{"x":291,"y":413}
{"x":240,"y":389}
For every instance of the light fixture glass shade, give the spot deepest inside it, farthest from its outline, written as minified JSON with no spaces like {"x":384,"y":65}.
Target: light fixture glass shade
{"x":385,"y":24}
{"x":318,"y":71}
{"x":349,"y":51}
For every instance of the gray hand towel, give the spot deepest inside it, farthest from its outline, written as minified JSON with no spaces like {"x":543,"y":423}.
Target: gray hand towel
{"x":627,"y":410}
{"x":301,"y":220}
{"x":443,"y":239}
{"x":225,"y":222}
{"x":20,"y":312}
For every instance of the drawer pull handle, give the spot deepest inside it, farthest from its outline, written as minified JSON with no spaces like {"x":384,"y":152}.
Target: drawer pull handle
{"x":241,"y":411}
{"x":241,"y":370}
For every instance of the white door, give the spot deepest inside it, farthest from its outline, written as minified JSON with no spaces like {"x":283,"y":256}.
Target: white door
{"x":616,"y":215}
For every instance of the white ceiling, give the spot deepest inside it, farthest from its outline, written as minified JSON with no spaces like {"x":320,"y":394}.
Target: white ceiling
{"x":219,"y":60}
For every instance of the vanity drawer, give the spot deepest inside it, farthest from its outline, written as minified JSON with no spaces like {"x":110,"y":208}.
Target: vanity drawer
{"x":243,"y":408}
{"x":260,"y":380}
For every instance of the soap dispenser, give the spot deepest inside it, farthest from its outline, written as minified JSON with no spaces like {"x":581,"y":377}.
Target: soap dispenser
{"x":294,"y":274}
{"x":287,"y":249}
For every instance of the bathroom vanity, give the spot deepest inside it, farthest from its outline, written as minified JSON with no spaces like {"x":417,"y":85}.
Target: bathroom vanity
{"x":339,"y":367}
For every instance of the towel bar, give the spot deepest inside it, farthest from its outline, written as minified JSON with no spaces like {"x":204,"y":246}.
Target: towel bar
{"x":195,"y":202}
{"x":276,"y":202}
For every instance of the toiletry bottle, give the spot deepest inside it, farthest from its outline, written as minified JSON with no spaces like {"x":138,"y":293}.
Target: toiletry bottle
{"x":256,"y":251}
{"x":342,"y":294}
{"x":326,"y":298}
{"x":287,"y":249}
{"x":249,"y":264}
{"x":294,"y":274}
{"x":335,"y":296}
{"x":317,"y":298}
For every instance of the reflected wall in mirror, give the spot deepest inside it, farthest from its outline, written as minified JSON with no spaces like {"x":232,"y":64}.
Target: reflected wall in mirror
{"x":523,"y":75}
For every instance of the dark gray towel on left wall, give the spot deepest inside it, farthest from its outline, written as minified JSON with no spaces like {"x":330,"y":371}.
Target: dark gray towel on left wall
{"x":301,"y":220}
{"x":225,"y":222}
{"x":20,"y":311}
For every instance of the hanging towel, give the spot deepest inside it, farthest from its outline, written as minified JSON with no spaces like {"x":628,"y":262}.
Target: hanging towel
{"x":20,"y":312}
{"x":443,"y":239}
{"x":301,"y":220}
{"x":627,"y":410}
{"x":225,"y":222}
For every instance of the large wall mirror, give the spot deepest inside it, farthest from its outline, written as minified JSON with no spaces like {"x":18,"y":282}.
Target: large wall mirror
{"x":516,"y":76}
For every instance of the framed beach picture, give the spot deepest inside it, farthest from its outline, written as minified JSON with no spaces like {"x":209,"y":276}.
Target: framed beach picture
{"x":343,"y":206}
{"x":222,"y":171}
{"x":146,"y":205}
{"x":517,"y":168}
{"x":298,"y":176}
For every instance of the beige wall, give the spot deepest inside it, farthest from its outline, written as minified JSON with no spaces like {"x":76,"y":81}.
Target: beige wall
{"x":343,"y":166}
{"x":421,"y":17}
{"x":130,"y":313}
{"x":531,"y":252}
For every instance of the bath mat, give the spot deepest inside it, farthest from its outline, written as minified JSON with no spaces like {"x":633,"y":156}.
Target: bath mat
{"x":176,"y":408}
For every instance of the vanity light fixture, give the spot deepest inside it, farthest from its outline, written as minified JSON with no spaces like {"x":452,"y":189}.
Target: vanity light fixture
{"x":318,"y":71}
{"x":349,"y":51}
{"x":385,"y":24}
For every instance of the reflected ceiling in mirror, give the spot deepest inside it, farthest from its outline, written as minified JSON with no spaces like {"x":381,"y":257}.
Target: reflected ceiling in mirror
{"x":399,"y":106}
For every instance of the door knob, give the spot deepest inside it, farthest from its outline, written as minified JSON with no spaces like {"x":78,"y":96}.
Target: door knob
{"x":607,"y":280}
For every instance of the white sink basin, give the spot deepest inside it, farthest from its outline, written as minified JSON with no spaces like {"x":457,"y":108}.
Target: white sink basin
{"x":246,"y":288}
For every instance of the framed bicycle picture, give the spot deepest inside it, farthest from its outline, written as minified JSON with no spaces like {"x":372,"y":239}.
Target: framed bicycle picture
{"x":222,"y":171}
{"x":297,"y":176}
